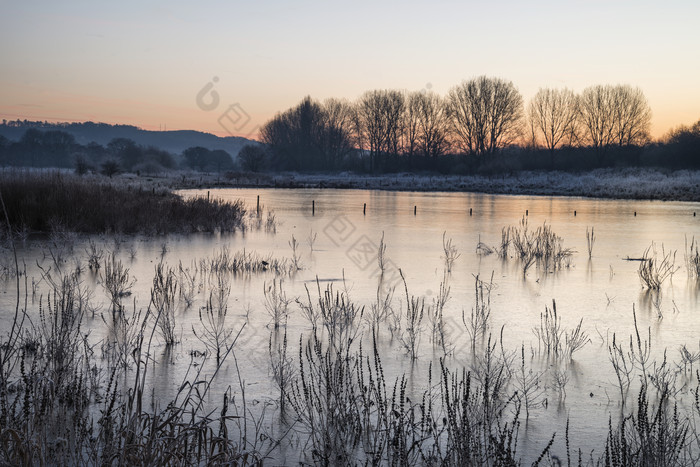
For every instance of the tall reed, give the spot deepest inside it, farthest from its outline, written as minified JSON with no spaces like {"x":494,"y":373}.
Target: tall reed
{"x":654,"y":269}
{"x":590,"y":241}
{"x":480,"y":316}
{"x":276,"y":302}
{"x":381,"y":309}
{"x":214,"y":331}
{"x":116,"y":281}
{"x":164,"y":301}
{"x":692,"y":258}
{"x":450,"y":252}
{"x":411,"y":332}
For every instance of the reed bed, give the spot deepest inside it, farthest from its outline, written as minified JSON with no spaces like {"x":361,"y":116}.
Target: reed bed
{"x":55,"y":201}
{"x":247,"y":262}
{"x":58,"y":407}
{"x":655,"y":267}
{"x":541,"y":247}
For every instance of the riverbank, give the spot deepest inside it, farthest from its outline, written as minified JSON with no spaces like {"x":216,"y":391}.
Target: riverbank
{"x":637,"y":184}
{"x":627,"y":183}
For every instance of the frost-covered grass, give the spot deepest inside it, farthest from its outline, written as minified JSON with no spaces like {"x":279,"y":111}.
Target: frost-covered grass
{"x":623,"y":183}
{"x":628,"y":183}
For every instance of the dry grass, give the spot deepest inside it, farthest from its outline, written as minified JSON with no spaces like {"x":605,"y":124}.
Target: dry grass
{"x":655,"y":268}
{"x":45,"y":202}
{"x":541,"y":247}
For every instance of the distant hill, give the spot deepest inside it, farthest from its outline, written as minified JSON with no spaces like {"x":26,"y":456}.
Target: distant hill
{"x":102,"y":133}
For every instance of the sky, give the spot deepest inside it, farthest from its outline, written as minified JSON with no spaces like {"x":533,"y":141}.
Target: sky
{"x":226,"y":67}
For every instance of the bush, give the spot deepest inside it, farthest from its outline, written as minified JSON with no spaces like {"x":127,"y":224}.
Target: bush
{"x":109,"y":168}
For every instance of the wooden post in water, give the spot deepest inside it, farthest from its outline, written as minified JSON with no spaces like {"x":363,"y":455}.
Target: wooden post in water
{"x":635,"y":213}
{"x":526,"y":212}
{"x":313,"y":207}
{"x":574,"y":213}
{"x":414,"y":210}
{"x":257,"y":209}
{"x":364,"y":210}
{"x":470,"y":211}
{"x":207,"y":196}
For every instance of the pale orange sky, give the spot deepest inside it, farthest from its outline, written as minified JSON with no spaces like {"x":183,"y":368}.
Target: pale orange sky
{"x":144,"y":65}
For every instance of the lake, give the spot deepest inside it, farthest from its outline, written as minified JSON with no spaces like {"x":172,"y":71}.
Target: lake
{"x":338,"y":234}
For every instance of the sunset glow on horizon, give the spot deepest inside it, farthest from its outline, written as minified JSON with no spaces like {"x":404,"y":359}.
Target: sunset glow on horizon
{"x":140,"y":65}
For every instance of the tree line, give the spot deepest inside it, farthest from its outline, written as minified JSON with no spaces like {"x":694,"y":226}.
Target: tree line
{"x":482,"y":125}
{"x":56,"y":148}
{"x":477,"y":125}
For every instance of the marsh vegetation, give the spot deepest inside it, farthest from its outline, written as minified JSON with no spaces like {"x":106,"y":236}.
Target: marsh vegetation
{"x":256,"y":348}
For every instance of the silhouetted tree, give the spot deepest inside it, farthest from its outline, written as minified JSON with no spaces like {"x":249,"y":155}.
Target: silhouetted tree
{"x":158,"y":157}
{"x":252,"y":157}
{"x":294,"y":136}
{"x":45,"y":149}
{"x":109,"y":168}
{"x":631,"y":116}
{"x":685,"y":135}
{"x":31,"y":146}
{"x":432,"y":124}
{"x":95,"y":151}
{"x":411,"y":122}
{"x":553,"y":118}
{"x":200,"y":158}
{"x":126,"y":151}
{"x":614,"y":115}
{"x":4,"y":148}
{"x":380,"y":115}
{"x":310,"y":136}
{"x":336,"y":132}
{"x":596,"y":111}
{"x":219,"y":160}
{"x":195,"y":157}
{"x":683,"y":146}
{"x":373,"y":125}
{"x":58,"y":147}
{"x":82,"y":166}
{"x":486,"y":114}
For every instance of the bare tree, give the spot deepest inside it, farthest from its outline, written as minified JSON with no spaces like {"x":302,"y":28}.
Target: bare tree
{"x":310,"y":135}
{"x":252,"y":157}
{"x":394,"y":107}
{"x":596,"y":113}
{"x":293,"y":136}
{"x":432,"y":124}
{"x":371,"y":126}
{"x":336,"y":136}
{"x":410,"y":123}
{"x":380,"y":115}
{"x":614,"y":115}
{"x":486,"y":114}
{"x":632,"y":116}
{"x":553,"y":118}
